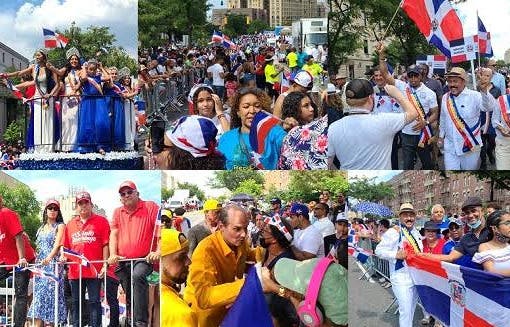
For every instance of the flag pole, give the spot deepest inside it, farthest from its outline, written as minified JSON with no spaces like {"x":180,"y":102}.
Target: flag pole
{"x":478,"y":41}
{"x":473,"y":73}
{"x":391,"y":21}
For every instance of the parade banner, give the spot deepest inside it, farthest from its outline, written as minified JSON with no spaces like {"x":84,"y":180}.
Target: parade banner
{"x":459,"y":296}
{"x":464,"y":49}
{"x":436,"y":63}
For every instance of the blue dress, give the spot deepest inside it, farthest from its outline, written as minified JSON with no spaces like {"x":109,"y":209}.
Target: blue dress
{"x":93,"y":120}
{"x":43,"y":304}
{"x":115,"y":105}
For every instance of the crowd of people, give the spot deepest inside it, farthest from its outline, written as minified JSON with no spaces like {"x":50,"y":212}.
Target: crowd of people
{"x":81,"y":107}
{"x":478,"y":237}
{"x":204,"y":268}
{"x":81,"y":257}
{"x":426,"y":117}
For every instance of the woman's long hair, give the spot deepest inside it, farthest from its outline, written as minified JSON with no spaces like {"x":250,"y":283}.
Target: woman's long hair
{"x":183,"y":160}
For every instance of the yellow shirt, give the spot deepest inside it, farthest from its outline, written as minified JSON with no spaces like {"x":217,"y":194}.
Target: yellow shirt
{"x":315,"y":69}
{"x":268,"y":71}
{"x":215,"y":278}
{"x":175,"y":311}
{"x":292,"y":59}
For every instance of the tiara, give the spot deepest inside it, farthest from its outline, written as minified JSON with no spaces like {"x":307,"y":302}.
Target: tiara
{"x":124,"y":71}
{"x":72,"y":52}
{"x":44,"y":51}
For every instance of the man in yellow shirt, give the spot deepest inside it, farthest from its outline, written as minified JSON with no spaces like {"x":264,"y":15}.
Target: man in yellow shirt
{"x":217,"y":271}
{"x":272,"y":76}
{"x":312,"y":67}
{"x":292,"y":60}
{"x":174,"y":266}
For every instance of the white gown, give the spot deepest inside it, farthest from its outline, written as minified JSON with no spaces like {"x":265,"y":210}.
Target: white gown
{"x":70,"y":105}
{"x":43,"y":115}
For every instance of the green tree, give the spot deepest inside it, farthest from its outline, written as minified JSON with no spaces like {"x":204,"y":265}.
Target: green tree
{"x":306,"y":185}
{"x":231,"y":179}
{"x":194,"y":190}
{"x":257,"y":26}
{"x":236,"y":25}
{"x":21,"y":199}
{"x":250,"y":186}
{"x":13,"y":133}
{"x":365,"y":189}
{"x":166,"y":193}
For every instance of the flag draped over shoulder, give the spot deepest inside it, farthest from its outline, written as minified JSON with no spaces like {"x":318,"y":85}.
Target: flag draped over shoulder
{"x":459,"y":296}
{"x":250,"y":308}
{"x":53,"y":39}
{"x":436,"y":20}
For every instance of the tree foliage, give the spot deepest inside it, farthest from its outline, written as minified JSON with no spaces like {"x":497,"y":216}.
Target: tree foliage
{"x":236,"y":25}
{"x":13,"y":133}
{"x":166,"y":193}
{"x":171,"y":17}
{"x":306,"y":185}
{"x":257,"y":26}
{"x":250,"y":187}
{"x":365,"y":189}
{"x":194,"y":190}
{"x":22,"y":200}
{"x":231,"y":179}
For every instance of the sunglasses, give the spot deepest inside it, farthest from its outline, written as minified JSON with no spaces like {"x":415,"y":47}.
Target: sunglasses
{"x":123,"y":194}
{"x":52,"y":208}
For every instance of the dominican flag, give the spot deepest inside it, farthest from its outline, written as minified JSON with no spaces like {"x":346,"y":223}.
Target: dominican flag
{"x":250,"y":307}
{"x":436,"y":20}
{"x":227,"y":43}
{"x":39,"y":273}
{"x":484,"y":40}
{"x":360,"y":254}
{"x":53,"y":39}
{"x":261,"y":125}
{"x":436,"y":63}
{"x":459,"y":296}
{"x":17,"y":93}
{"x":76,"y":257}
{"x":217,"y":37}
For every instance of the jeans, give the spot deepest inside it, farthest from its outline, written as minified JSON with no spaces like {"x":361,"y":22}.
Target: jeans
{"x":410,"y":149}
{"x":112,"y":288}
{"x":220,"y":91}
{"x":141,"y":269}
{"x":93,"y":286}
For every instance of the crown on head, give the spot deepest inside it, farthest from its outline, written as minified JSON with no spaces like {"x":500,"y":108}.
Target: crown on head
{"x":72,"y":52}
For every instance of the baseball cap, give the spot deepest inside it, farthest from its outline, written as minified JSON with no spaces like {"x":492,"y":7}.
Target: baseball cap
{"x":52,"y":201}
{"x":457,"y":72}
{"x":472,"y":201}
{"x":299,"y":209}
{"x":358,"y":89}
{"x":194,"y":134}
{"x":454,"y":221}
{"x":406,"y":207}
{"x":211,"y":204}
{"x":276,"y":200}
{"x":341,"y":218}
{"x":413,"y":70}
{"x":172,"y":241}
{"x":303,"y":78}
{"x":83,"y":196}
{"x":308,"y":57}
{"x":331,"y":89}
{"x":296,"y":275}
{"x":129,"y":184}
{"x":166,"y":212}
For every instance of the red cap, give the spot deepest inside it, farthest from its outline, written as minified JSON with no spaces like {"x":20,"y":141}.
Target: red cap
{"x":83,"y":196}
{"x":52,"y":201}
{"x":129,"y":184}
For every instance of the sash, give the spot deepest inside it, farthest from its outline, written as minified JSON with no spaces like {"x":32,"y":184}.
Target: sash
{"x":44,"y":102}
{"x":412,"y":242}
{"x":426,"y":132}
{"x":504,"y":105}
{"x":470,"y":142}
{"x":95,"y":84}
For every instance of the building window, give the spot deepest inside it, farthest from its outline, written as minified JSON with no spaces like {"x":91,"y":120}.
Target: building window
{"x":365,"y":46}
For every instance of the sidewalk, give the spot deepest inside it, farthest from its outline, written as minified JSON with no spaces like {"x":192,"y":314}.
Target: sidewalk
{"x":367,"y":302}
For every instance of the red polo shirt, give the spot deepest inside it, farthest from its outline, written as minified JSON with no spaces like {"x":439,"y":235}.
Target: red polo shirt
{"x":10,"y":226}
{"x":88,"y":239}
{"x":136,"y":229}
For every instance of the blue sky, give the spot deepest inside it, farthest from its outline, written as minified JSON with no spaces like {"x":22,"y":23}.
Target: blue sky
{"x":378,"y":175}
{"x":102,"y":185}
{"x":21,"y":22}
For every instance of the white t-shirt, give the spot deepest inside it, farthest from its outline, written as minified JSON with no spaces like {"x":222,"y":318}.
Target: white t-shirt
{"x":325,"y":226}
{"x":363,"y":141}
{"x":427,"y":99}
{"x":309,"y":240}
{"x":215,"y":70}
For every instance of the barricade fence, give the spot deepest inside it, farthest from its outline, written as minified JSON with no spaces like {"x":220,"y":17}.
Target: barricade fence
{"x":53,"y":123}
{"x":58,"y":272}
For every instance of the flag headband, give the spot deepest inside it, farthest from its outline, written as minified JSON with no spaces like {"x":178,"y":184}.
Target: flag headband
{"x":277,"y":222}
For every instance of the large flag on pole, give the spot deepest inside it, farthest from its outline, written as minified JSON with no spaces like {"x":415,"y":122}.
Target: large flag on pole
{"x":437,"y":20}
{"x":484,"y":40}
{"x":53,"y":39}
{"x":459,"y":296}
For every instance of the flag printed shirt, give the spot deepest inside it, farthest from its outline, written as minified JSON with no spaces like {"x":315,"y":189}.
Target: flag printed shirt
{"x":10,"y":226}
{"x":87,"y":238}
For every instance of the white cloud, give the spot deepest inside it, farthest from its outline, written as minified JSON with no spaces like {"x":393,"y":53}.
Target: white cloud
{"x":379,"y":175}
{"x":48,"y":188}
{"x":22,"y":30}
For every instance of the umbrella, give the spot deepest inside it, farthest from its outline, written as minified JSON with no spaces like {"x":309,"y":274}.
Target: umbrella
{"x":373,"y":208}
{"x":242,"y":197}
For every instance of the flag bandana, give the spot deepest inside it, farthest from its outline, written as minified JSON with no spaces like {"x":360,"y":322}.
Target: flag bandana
{"x":459,"y":296}
{"x":277,"y":222}
{"x":468,"y":134}
{"x":426,"y":132}
{"x":504,"y":106}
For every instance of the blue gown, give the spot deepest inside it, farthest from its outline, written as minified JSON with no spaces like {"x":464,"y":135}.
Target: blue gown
{"x":43,"y":304}
{"x":115,"y":105}
{"x":93,"y":120}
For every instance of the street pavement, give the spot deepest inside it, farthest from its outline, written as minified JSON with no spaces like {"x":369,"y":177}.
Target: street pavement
{"x":368,"y":302}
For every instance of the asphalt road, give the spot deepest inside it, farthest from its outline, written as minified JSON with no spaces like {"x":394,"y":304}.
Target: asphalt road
{"x":368,"y":302}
